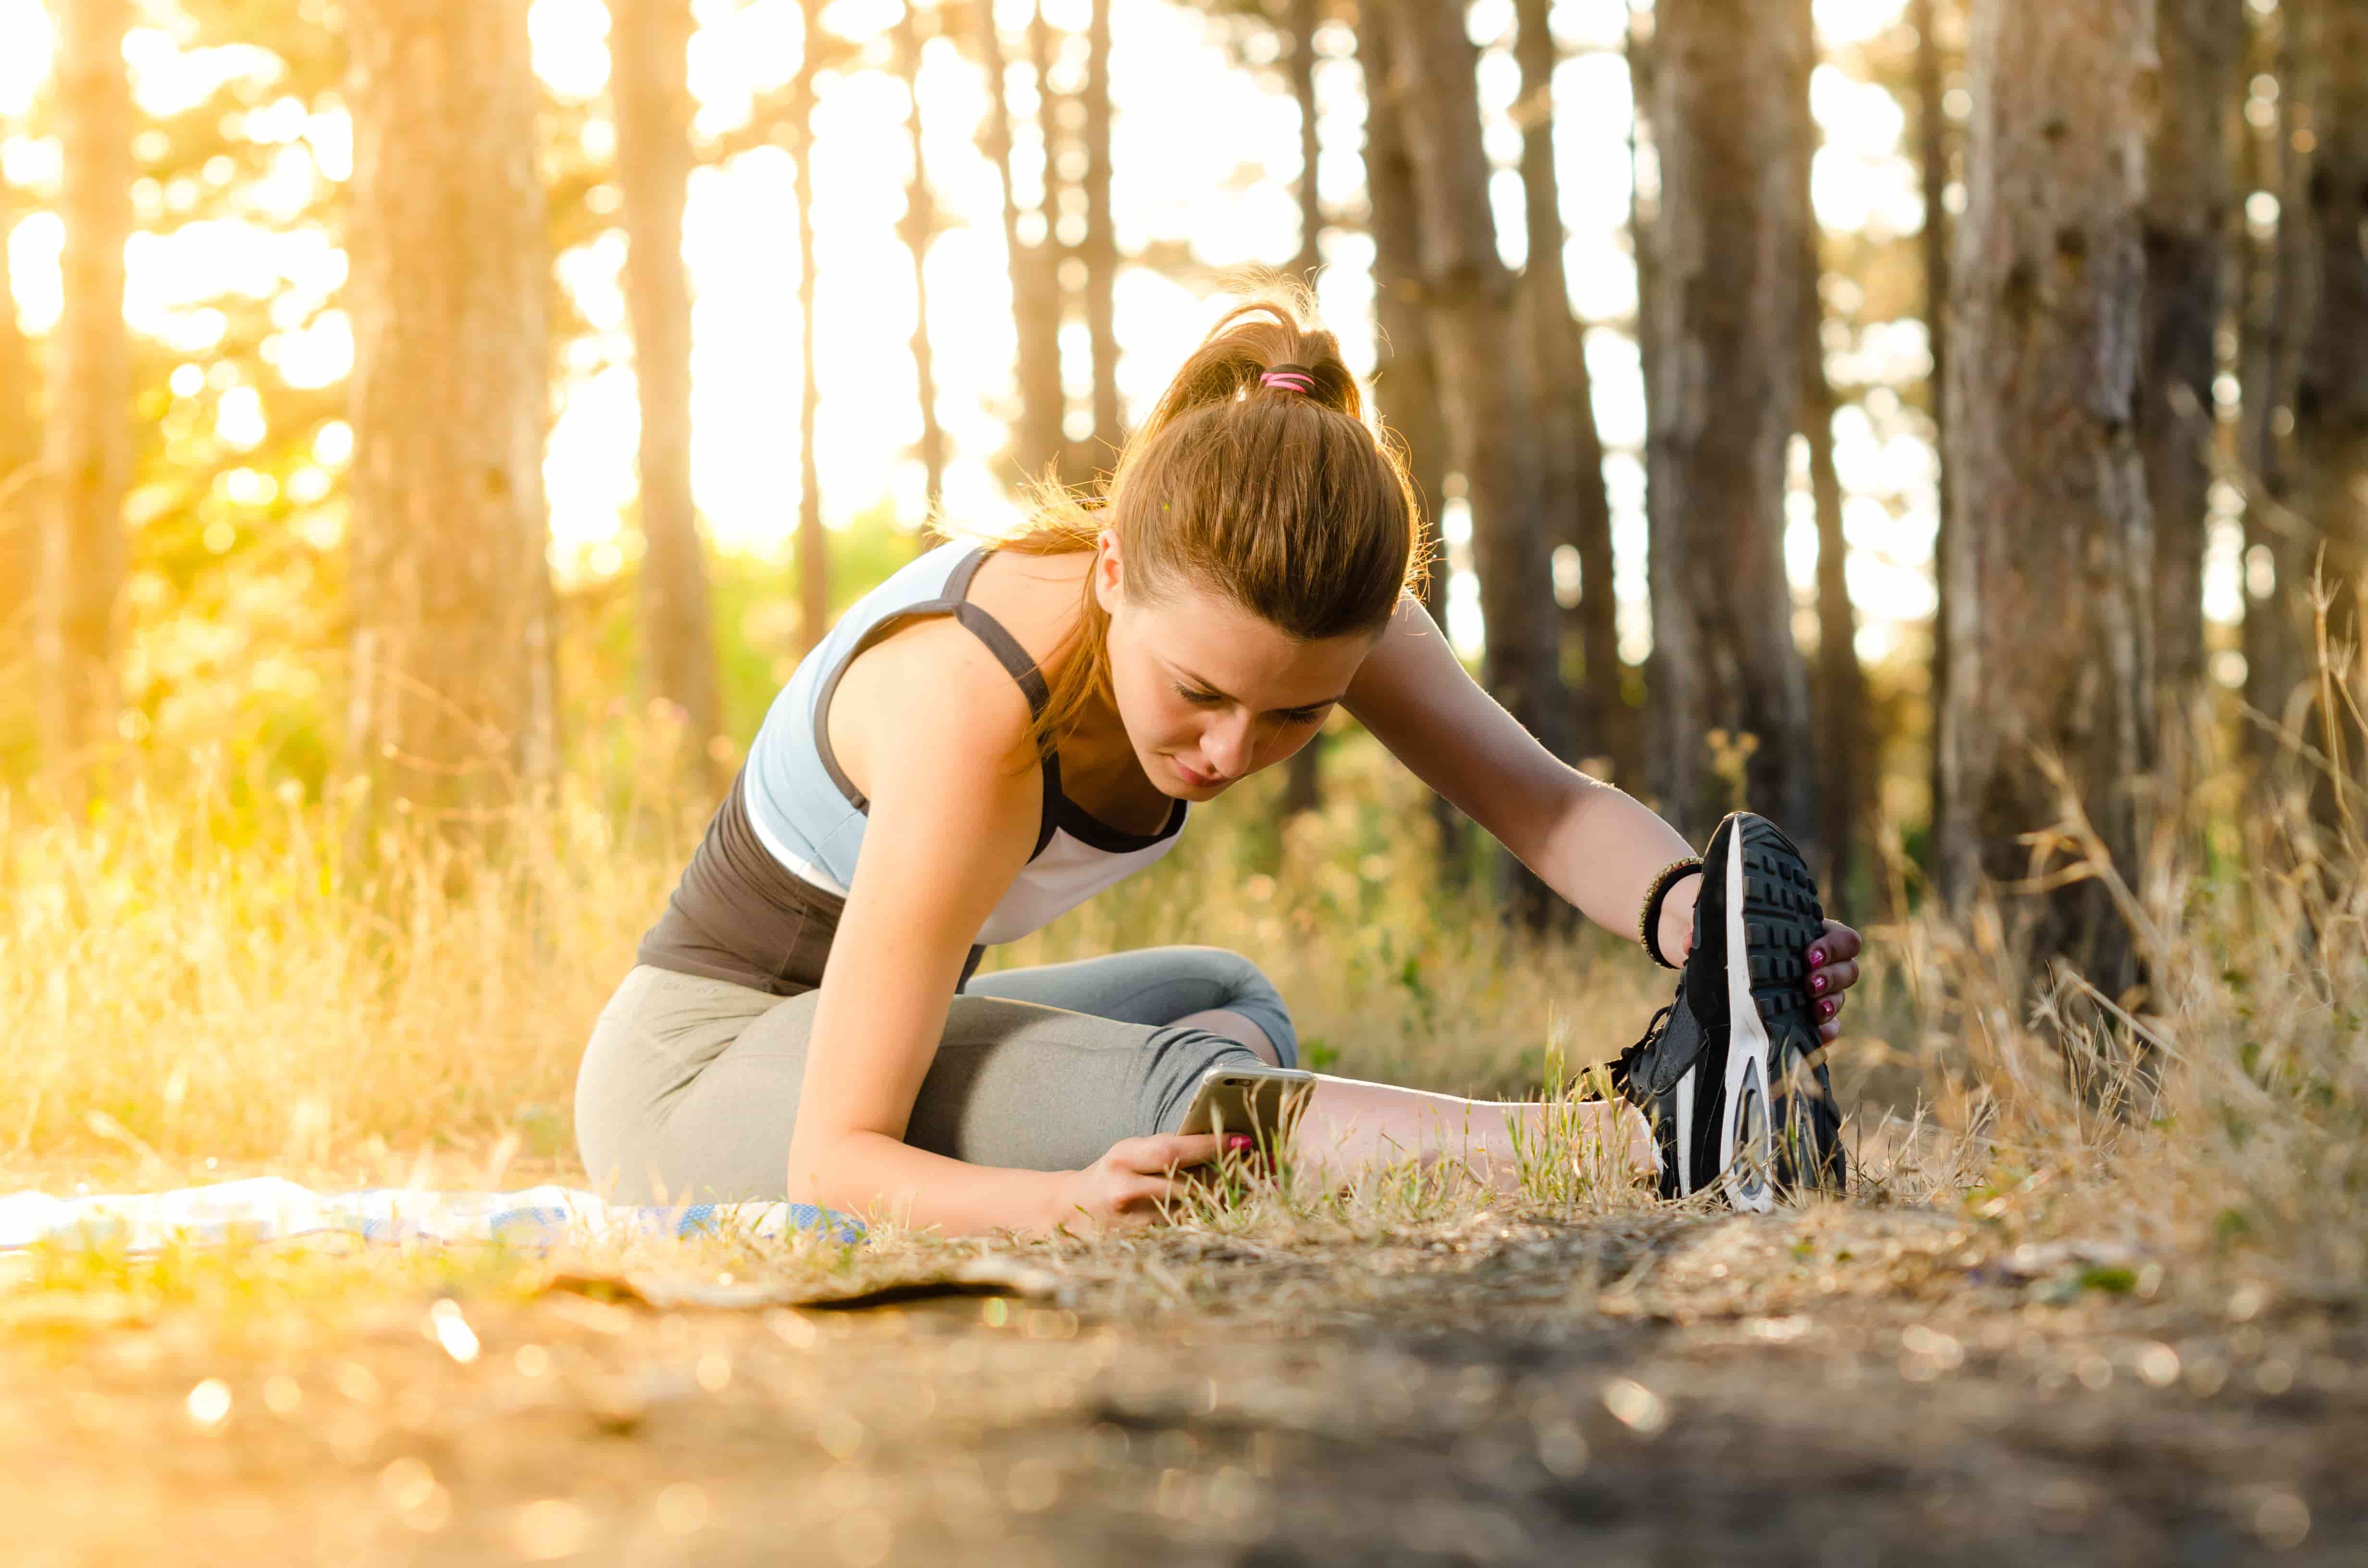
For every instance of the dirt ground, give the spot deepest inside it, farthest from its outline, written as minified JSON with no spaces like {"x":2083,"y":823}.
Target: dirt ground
{"x":1843,"y":1385}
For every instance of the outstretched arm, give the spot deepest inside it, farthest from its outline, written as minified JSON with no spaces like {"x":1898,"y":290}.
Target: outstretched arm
{"x":1595,"y":845}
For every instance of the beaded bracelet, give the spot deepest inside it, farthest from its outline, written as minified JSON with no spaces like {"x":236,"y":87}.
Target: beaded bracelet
{"x":1648,"y":921}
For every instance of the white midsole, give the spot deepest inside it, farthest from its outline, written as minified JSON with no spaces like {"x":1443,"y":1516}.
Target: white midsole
{"x":1686,"y":1131}
{"x":1746,"y":1047}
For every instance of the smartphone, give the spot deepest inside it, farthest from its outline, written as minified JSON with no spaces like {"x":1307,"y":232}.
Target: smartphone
{"x":1261,"y":1101}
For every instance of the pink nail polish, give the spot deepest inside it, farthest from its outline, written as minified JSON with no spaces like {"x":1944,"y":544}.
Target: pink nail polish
{"x":1817,"y":983}
{"x":1826,"y":1009}
{"x":1816,"y":957}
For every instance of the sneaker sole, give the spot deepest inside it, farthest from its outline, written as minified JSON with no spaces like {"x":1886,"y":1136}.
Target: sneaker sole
{"x":1772,"y":915}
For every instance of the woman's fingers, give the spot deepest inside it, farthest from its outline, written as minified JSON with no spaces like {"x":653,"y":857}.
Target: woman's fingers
{"x":1838,"y":942}
{"x":1833,"y":978}
{"x":1168,"y":1151}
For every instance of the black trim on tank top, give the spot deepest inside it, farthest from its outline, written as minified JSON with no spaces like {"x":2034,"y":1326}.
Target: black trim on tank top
{"x":1060,"y":811}
{"x":1087,"y":828}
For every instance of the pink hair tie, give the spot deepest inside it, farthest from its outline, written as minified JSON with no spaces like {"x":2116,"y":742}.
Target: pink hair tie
{"x":1296,"y":378}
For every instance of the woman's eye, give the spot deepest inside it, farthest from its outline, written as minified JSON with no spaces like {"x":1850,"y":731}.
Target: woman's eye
{"x":1311,"y":716}
{"x":1201,"y":697}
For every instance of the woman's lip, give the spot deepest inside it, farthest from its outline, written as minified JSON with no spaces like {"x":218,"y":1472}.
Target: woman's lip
{"x":1197,"y":779}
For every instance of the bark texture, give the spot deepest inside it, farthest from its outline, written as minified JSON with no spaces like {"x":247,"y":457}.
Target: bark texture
{"x":451,"y":702}
{"x":649,"y":43}
{"x":1472,"y":305}
{"x":1483,"y":374}
{"x":1406,"y":375}
{"x":1302,"y":787}
{"x":1844,"y":757}
{"x":1571,"y":448}
{"x":2280,"y":307}
{"x":2330,"y":414}
{"x":1729,"y":243}
{"x":2050,"y":545}
{"x":814,"y":546}
{"x":89,"y":455}
{"x":2190,"y":208}
{"x":1932,"y":142}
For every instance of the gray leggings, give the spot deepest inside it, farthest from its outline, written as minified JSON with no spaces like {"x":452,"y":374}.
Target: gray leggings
{"x":689,"y":1086}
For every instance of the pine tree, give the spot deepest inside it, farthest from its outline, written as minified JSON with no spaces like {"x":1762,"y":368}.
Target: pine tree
{"x":813,"y":545}
{"x":1729,"y":249}
{"x":919,"y":231}
{"x":1405,"y":372}
{"x":649,"y":43}
{"x":87,"y":461}
{"x":1304,"y":784}
{"x":452,"y":700}
{"x":2190,"y":208}
{"x":1572,"y":449}
{"x":2049,"y":547}
{"x":20,"y":496}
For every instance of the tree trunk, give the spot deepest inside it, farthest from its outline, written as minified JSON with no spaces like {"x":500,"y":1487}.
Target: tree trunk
{"x":21,"y":497}
{"x":88,"y":457}
{"x":1406,"y":375}
{"x":2190,"y":205}
{"x":1035,"y":440}
{"x":1483,"y":382}
{"x":920,"y":231}
{"x":1932,"y":156}
{"x":1099,"y":251}
{"x":2050,"y":547}
{"x":2331,"y":415}
{"x":1302,"y":787}
{"x":451,"y":702}
{"x":1564,"y":394}
{"x":1036,"y":283}
{"x":1729,"y":250}
{"x":814,"y":546}
{"x":1844,"y":758}
{"x":1643,"y":212}
{"x":2280,"y":307}
{"x":648,"y":53}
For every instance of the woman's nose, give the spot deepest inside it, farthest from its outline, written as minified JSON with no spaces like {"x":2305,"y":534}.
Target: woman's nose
{"x":1227,"y":746}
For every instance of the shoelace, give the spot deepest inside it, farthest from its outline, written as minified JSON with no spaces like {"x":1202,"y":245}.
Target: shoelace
{"x":1651,"y":1036}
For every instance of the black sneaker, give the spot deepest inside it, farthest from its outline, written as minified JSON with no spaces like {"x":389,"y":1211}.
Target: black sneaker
{"x":1730,"y":1072}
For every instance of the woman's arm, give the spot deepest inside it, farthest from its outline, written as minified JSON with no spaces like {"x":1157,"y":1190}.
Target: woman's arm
{"x":1596,"y":846}
{"x":955,"y":803}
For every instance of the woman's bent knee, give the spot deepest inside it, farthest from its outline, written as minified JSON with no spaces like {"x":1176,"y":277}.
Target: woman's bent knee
{"x":1248,"y":992}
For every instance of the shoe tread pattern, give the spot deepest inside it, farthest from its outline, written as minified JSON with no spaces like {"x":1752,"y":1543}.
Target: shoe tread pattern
{"x":1780,"y":917}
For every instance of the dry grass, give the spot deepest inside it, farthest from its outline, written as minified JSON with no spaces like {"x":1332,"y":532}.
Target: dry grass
{"x":203,"y":979}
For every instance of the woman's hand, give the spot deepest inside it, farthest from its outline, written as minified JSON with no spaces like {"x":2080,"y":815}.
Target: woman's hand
{"x":1129,"y":1184}
{"x":1833,"y":968}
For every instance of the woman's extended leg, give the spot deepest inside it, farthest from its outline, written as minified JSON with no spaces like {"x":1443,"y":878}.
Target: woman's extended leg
{"x":1350,"y":1126}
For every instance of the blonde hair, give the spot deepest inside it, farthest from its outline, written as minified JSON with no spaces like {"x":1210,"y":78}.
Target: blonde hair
{"x":1282,"y":499}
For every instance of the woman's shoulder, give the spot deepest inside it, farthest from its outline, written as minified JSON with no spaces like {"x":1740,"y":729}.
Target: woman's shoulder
{"x":934,"y":686}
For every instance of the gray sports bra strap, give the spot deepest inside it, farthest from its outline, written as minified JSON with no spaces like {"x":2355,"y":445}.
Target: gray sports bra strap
{"x":1007,"y":652}
{"x":954,"y":601}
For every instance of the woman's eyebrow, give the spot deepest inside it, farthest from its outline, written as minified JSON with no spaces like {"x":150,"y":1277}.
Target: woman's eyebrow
{"x":1210,"y":688}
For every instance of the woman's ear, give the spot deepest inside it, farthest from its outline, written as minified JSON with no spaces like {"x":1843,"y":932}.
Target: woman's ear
{"x":1110,"y":572}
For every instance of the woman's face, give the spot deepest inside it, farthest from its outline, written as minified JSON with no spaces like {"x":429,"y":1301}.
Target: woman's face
{"x":1208,"y":692}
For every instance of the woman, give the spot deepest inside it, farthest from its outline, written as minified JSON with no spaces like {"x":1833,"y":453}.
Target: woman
{"x":994,"y":734}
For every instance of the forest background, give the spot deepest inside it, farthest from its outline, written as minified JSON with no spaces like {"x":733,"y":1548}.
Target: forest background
{"x":433,"y":430}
